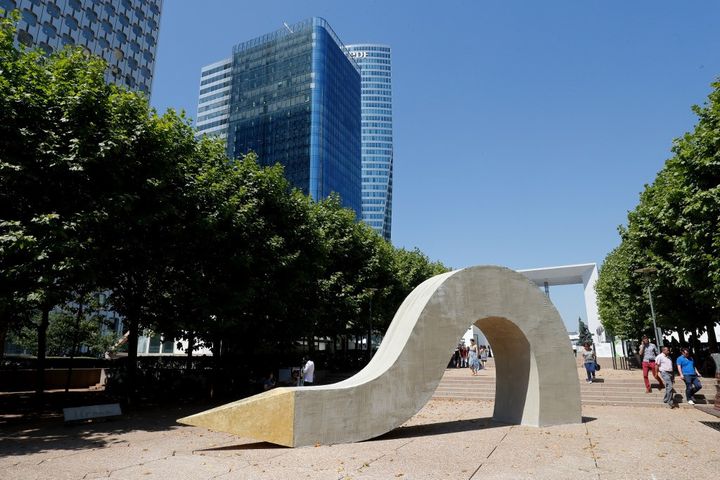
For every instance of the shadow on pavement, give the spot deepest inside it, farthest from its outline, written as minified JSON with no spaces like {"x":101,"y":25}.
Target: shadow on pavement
{"x":454,"y":426}
{"x":244,"y":446}
{"x":440,"y":428}
{"x":713,"y":425}
{"x":46,"y":435}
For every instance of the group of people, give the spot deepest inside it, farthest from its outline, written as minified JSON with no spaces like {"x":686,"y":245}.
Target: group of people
{"x":303,"y":376}
{"x":662,"y":363}
{"x":472,"y":356}
{"x":658,"y":362}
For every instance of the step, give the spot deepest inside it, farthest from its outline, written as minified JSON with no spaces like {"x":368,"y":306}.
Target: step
{"x":585,"y":401}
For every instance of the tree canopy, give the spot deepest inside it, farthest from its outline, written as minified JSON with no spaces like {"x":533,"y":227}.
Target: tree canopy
{"x":675,"y":232}
{"x":100,"y":193}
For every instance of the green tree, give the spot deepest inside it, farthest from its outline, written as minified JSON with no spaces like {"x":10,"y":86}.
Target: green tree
{"x":100,"y":193}
{"x":621,"y":304}
{"x":73,"y":329}
{"x":49,"y":114}
{"x":674,"y":229}
{"x":93,"y":189}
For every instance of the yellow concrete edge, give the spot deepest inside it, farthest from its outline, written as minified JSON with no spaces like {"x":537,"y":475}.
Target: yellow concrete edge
{"x":268,"y":417}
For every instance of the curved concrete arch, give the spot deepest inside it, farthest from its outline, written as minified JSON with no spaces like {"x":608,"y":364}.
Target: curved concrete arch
{"x":537,"y":382}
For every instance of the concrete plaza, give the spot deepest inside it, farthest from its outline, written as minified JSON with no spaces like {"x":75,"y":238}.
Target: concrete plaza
{"x":446,"y":439}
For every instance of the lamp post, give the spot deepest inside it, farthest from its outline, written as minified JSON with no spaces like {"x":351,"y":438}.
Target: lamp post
{"x":646,"y":272}
{"x":371,"y":292}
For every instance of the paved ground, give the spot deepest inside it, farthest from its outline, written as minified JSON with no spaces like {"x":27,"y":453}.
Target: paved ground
{"x":446,"y":439}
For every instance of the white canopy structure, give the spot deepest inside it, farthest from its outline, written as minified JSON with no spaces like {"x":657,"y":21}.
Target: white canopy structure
{"x":585,"y":274}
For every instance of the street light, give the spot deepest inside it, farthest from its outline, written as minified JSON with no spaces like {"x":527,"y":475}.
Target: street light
{"x":646,"y":272}
{"x":371,"y":292}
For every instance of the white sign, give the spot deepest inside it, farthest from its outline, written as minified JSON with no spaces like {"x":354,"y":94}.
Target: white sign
{"x":358,"y":54}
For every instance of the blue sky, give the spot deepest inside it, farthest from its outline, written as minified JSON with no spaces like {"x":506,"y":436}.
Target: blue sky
{"x":524,"y":131}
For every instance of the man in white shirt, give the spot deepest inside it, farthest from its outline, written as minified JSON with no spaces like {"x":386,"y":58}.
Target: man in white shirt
{"x":308,"y":372}
{"x":665,"y":365}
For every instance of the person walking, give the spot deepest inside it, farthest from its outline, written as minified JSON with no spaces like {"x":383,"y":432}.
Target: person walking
{"x":308,"y":373}
{"x":484,"y":350}
{"x":588,"y":356}
{"x":689,"y":374}
{"x":474,"y":357}
{"x":648,"y":352}
{"x":463,"y":356}
{"x":665,"y":366}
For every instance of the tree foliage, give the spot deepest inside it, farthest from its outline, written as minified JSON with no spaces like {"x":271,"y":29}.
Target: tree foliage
{"x":99,"y":193}
{"x":675,"y":229}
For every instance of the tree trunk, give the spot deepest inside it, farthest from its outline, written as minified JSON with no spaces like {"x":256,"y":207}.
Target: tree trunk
{"x":4,"y":326}
{"x":216,"y":351}
{"x":712,"y":338}
{"x":369,"y":333}
{"x":132,"y":356}
{"x":681,"y":337}
{"x":191,"y":344}
{"x":42,"y":347}
{"x":74,"y":347}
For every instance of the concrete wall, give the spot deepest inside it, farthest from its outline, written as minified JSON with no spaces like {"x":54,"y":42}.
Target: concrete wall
{"x":24,"y":380}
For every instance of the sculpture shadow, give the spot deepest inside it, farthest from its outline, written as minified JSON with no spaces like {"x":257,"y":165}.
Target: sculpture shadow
{"x":441,"y":428}
{"x":244,"y":446}
{"x":455,"y":426}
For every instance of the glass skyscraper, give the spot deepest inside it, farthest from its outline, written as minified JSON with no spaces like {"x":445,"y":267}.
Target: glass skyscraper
{"x":123,"y":32}
{"x":293,"y":97}
{"x":377,"y":135}
{"x":214,"y":101}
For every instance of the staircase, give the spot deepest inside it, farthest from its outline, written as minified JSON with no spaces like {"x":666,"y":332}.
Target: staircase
{"x":459,"y":384}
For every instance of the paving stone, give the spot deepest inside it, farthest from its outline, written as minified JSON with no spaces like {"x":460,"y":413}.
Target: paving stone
{"x":446,"y":439}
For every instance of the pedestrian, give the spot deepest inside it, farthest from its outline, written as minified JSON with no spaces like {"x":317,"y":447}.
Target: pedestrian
{"x":589,"y":361}
{"x":484,"y":350}
{"x":308,"y":372}
{"x":665,"y":366}
{"x":456,"y":357}
{"x":269,"y":382}
{"x":648,"y":352}
{"x":473,"y":354}
{"x":463,"y":356}
{"x":689,"y":374}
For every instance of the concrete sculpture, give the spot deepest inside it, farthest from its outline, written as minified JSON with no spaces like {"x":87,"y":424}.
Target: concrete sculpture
{"x":537,"y":380}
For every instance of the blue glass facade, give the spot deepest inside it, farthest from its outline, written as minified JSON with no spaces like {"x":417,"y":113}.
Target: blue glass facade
{"x":123,"y":32}
{"x":377,"y":135}
{"x":293,"y":97}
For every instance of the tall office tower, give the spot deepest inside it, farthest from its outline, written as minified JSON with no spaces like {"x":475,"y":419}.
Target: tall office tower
{"x":123,"y":32}
{"x":377,"y":139}
{"x":214,"y":101}
{"x":293,"y":97}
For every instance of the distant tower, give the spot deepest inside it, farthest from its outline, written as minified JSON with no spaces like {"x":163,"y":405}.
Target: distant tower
{"x":377,"y":136}
{"x":293,"y":97}
{"x":214,"y":100}
{"x":123,"y":32}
